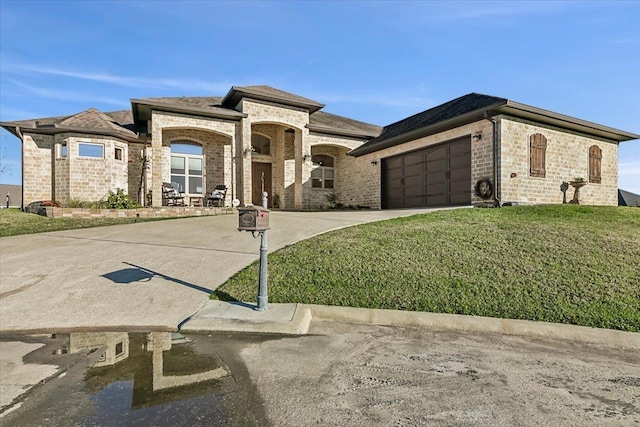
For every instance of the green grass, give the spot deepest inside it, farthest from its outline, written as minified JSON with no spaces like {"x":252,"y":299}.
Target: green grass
{"x":14,"y":222}
{"x":568,"y":264}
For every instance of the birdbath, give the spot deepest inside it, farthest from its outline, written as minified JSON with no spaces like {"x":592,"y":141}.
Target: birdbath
{"x":578,"y":184}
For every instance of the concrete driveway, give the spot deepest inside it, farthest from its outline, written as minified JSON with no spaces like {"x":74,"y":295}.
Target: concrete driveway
{"x":148,"y":276}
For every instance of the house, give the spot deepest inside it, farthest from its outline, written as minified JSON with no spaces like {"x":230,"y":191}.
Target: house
{"x":627,"y":198}
{"x":473,"y":149}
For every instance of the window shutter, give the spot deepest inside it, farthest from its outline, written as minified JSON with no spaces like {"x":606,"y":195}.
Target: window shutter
{"x":537,"y":151}
{"x":595,"y":164}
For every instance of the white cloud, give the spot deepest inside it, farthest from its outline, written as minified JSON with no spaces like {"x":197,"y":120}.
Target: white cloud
{"x":67,"y":95}
{"x":118,"y":80}
{"x":628,"y":169}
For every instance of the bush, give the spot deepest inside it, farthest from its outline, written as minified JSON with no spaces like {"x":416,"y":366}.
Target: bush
{"x":120,"y":200}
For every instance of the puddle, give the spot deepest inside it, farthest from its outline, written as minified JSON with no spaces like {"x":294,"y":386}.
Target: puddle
{"x":119,"y":378}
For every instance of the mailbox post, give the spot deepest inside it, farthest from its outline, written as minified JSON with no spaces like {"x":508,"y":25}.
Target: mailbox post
{"x":256,"y":220}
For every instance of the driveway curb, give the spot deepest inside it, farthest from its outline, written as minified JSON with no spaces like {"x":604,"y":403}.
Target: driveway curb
{"x":295,"y":319}
{"x":462,"y":323}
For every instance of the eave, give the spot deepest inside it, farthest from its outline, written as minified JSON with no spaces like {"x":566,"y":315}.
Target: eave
{"x":235,"y":95}
{"x":141,"y":106}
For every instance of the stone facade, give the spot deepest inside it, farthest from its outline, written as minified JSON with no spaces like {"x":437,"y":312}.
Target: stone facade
{"x":225,"y":137}
{"x":50,"y":175}
{"x":362,"y":175}
{"x":567,"y":157}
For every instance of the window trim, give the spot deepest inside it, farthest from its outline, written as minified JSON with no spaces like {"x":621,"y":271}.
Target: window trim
{"x":115,"y":154}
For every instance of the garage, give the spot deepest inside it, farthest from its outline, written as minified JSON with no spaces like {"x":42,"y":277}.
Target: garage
{"x":439,"y":175}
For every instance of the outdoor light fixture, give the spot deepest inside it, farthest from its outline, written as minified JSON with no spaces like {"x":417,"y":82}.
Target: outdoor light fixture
{"x":306,"y":157}
{"x":374,"y":162}
{"x":477,"y":136}
{"x":246,"y":151}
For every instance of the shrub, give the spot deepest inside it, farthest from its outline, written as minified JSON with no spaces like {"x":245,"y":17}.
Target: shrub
{"x":120,"y":200}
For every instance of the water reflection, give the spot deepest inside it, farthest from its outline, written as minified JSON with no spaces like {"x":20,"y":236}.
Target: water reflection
{"x":160,"y":366}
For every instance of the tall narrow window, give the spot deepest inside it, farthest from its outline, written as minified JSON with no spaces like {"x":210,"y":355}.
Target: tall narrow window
{"x":187,"y":167}
{"x":537,"y":154}
{"x":322,"y":173}
{"x":595,"y":164}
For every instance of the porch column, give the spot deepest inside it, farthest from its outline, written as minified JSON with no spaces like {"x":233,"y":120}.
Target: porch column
{"x":156,"y":164}
{"x":303,"y":170}
{"x":244,"y":162}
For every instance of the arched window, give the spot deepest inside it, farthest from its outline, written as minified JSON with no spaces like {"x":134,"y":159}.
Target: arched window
{"x":595,"y":164}
{"x":537,"y":155}
{"x":322,"y":174}
{"x":260,"y":144}
{"x":187,"y":167}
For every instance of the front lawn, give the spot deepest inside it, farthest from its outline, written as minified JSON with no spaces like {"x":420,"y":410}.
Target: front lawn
{"x":14,"y":222}
{"x":566,"y":264}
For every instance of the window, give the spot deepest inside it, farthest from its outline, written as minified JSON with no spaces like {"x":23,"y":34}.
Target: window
{"x":118,"y":153}
{"x":260,"y":144}
{"x":537,"y":154}
{"x":62,"y":150}
{"x":187,"y":167}
{"x":322,"y":174}
{"x":595,"y":164}
{"x":86,"y":149}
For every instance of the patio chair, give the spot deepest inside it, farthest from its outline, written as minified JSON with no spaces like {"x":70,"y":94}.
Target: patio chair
{"x":171,"y":196}
{"x":217,"y":196}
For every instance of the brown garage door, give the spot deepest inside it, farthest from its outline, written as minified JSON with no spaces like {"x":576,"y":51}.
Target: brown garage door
{"x":434,"y":176}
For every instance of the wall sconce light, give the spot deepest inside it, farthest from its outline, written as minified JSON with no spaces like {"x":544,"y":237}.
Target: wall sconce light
{"x":374,"y":162}
{"x":477,"y":136}
{"x":247,"y":150}
{"x":306,"y":157}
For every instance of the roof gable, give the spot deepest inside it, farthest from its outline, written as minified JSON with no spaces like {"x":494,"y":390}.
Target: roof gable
{"x":271,"y":94}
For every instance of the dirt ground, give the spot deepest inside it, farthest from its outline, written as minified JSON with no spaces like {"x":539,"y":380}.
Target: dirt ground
{"x":363,"y":375}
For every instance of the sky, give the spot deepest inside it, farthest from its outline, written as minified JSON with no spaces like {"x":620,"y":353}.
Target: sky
{"x":378,"y":61}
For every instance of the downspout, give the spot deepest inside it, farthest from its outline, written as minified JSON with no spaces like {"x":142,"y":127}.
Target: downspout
{"x":21,"y":136}
{"x":494,"y":123}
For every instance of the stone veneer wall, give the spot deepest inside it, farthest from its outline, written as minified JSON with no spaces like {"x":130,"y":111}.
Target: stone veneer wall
{"x":91,"y":179}
{"x":567,"y":157}
{"x":37,"y":170}
{"x":162,"y":122}
{"x":296,"y":172}
{"x":362,"y":180}
{"x":336,"y":147}
{"x":216,"y":149}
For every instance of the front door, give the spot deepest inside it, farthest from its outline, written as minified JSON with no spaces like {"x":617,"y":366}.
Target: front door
{"x":261,"y":181}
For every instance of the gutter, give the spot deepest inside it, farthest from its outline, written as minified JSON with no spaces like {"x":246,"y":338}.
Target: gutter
{"x":494,"y":124}
{"x":21,"y":136}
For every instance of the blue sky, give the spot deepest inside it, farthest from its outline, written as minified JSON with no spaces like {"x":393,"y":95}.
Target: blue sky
{"x":373,"y":61}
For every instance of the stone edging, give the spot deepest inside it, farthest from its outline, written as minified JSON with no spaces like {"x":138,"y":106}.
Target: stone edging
{"x":160,"y":212}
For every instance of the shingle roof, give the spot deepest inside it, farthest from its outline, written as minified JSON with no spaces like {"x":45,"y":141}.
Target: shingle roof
{"x":475,"y":106}
{"x":626,"y":198}
{"x":268,"y":93}
{"x":190,"y":101}
{"x":326,"y":122}
{"x":116,"y":122}
{"x":449,"y":110}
